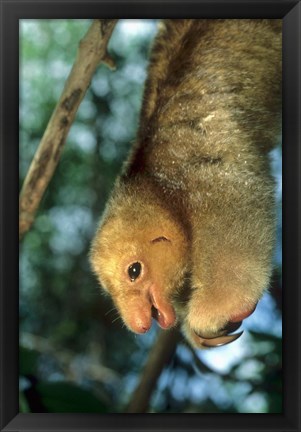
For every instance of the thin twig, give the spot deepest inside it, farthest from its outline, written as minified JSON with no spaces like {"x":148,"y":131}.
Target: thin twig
{"x":91,"y":51}
{"x":158,"y":358}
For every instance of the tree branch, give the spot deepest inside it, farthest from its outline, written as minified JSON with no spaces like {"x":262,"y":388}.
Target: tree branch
{"x":158,"y":358}
{"x":91,"y":51}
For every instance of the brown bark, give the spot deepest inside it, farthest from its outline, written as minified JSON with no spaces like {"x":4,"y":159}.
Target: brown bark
{"x":158,"y":358}
{"x":91,"y":51}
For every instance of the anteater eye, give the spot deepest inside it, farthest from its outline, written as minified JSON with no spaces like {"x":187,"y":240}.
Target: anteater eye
{"x":134,"y":271}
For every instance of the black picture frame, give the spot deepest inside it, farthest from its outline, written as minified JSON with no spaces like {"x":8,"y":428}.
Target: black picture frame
{"x":11,"y":13}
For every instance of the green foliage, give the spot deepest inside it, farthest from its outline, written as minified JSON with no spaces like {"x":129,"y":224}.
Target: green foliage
{"x":61,"y":396}
{"x":66,"y":397}
{"x":27,"y":361}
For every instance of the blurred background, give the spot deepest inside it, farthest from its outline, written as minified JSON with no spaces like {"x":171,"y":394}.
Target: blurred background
{"x":75,"y":354}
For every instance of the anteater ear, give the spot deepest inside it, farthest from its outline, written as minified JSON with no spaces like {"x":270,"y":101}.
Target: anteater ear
{"x":159,"y":239}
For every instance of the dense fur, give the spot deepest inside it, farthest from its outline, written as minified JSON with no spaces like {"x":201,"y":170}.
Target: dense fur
{"x":194,"y":204}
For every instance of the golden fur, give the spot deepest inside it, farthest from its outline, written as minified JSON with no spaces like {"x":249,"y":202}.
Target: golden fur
{"x":194,"y":203}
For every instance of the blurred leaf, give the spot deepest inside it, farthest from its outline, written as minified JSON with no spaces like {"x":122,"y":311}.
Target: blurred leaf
{"x":23,"y":405}
{"x":27,"y":361}
{"x":66,"y":398}
{"x":264,"y":337}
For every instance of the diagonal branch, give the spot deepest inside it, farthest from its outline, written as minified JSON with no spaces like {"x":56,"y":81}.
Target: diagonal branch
{"x":92,"y":50}
{"x":158,"y":358}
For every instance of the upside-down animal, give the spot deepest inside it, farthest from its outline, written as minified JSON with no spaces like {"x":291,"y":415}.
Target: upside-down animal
{"x":188,"y":233}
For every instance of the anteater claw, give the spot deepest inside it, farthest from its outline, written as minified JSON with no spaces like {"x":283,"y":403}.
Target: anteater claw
{"x":218,"y":340}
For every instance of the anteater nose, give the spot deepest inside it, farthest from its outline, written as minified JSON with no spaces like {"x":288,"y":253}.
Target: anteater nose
{"x":141,"y":325}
